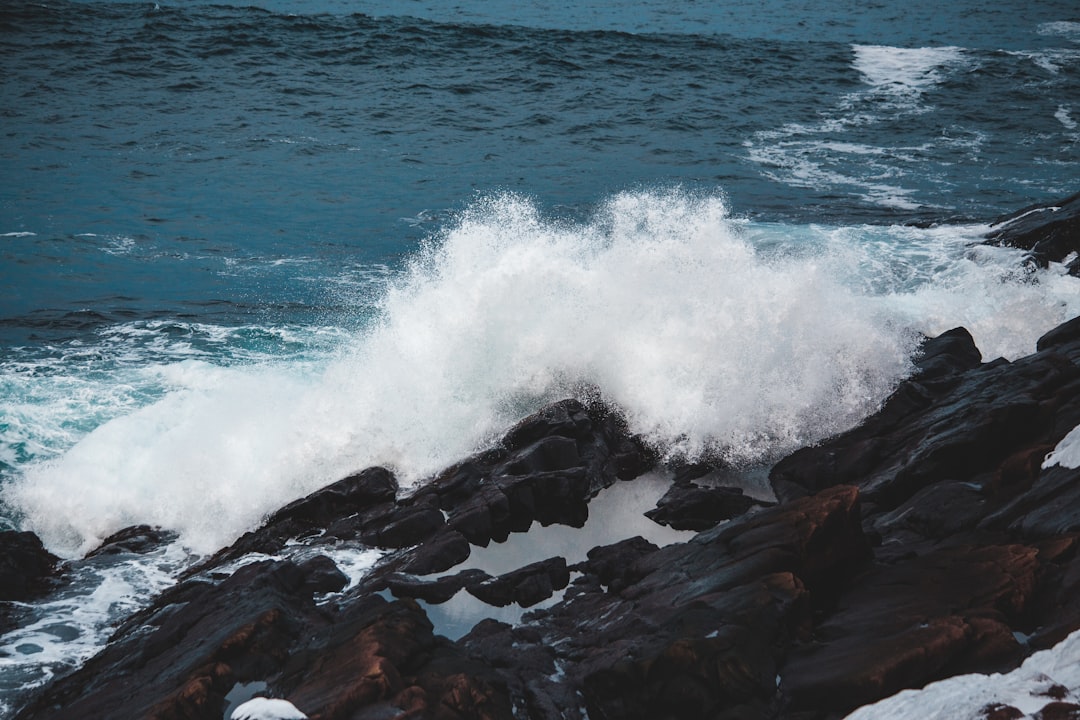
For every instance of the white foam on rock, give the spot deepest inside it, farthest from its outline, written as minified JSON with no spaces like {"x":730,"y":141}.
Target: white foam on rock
{"x":261,"y":708}
{"x":1067,"y":452}
{"x":965,"y":697}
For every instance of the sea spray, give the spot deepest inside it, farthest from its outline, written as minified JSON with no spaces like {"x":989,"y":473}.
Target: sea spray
{"x":712,"y":334}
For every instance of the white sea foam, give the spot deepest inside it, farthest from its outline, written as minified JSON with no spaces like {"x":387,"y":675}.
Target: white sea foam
{"x":1067,"y":452}
{"x":711,"y":334}
{"x":1064,"y":117}
{"x":817,"y":156}
{"x":261,"y":708}
{"x":73,"y":624}
{"x":1065,"y":28}
{"x":1052,"y":60}
{"x":905,"y":70}
{"x":965,"y":697}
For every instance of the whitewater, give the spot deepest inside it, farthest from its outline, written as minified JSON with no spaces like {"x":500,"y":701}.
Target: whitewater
{"x":715,"y":337}
{"x":247,"y":251}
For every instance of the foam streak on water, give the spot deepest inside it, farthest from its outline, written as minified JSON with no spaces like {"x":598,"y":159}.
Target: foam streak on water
{"x":896,"y":79}
{"x":713,"y":335}
{"x":73,"y":623}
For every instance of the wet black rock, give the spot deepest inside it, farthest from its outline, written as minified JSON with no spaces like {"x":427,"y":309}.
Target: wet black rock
{"x":137,"y":540}
{"x":1049,"y":232}
{"x":26,"y":568}
{"x":434,"y":591}
{"x":687,"y":506}
{"x":525,"y":586}
{"x":439,"y":554}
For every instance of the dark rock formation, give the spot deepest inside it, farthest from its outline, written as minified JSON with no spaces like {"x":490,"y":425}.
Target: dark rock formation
{"x":434,"y":591}
{"x":136,"y":540}
{"x":928,"y":541}
{"x":26,"y":567}
{"x":1049,"y":232}
{"x":525,"y":586}
{"x":27,"y":570}
{"x":439,"y":554}
{"x":989,"y":426}
{"x":687,"y":506}
{"x":342,"y":510}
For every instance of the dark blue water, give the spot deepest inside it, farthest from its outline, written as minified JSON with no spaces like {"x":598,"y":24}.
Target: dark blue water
{"x":248,"y":248}
{"x":198,"y":135}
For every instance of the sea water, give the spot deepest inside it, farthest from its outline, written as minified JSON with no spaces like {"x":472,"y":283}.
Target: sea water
{"x":249,"y":248}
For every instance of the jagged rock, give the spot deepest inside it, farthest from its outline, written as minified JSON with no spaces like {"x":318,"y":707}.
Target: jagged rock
{"x":959,"y":428}
{"x":727,"y":675}
{"x":350,"y":495}
{"x":694,"y":633}
{"x":180,"y":657}
{"x":487,"y":515}
{"x":444,"y":551}
{"x":321,"y":575}
{"x":686,"y":506}
{"x":339,"y":511}
{"x":434,"y":591}
{"x":381,"y":659}
{"x":613,"y":565}
{"x":137,"y":539}
{"x":565,"y":419}
{"x":525,"y":586}
{"x":546,"y":455}
{"x":26,"y":567}
{"x":943,"y":613}
{"x":1063,"y":339}
{"x":404,"y":526}
{"x":1049,"y":232}
{"x":947,"y":355}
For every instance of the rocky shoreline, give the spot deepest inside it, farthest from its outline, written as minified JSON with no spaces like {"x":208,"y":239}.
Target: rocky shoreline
{"x":932,"y":540}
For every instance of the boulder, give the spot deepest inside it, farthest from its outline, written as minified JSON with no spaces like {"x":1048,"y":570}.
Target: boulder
{"x":434,"y":591}
{"x":687,"y":506}
{"x":137,"y":540}
{"x":439,"y":554}
{"x":525,"y":586}
{"x":27,"y":569}
{"x":1050,"y":232}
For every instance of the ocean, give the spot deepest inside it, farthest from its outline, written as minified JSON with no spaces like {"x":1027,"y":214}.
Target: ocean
{"x":247,"y":249}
